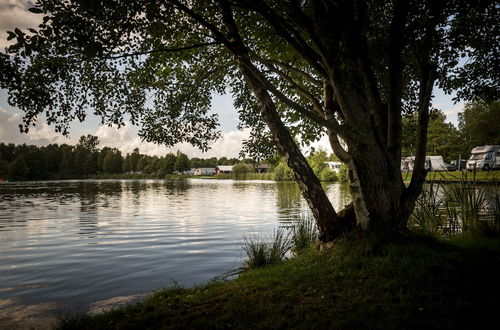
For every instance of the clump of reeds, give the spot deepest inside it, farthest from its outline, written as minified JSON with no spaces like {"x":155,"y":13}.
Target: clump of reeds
{"x":304,"y":233}
{"x":460,"y":204}
{"x":428,"y":215}
{"x":260,"y":253}
{"x":464,"y":203}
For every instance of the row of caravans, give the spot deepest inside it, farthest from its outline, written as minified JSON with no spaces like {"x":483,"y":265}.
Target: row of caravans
{"x":432,"y":163}
{"x":482,"y":158}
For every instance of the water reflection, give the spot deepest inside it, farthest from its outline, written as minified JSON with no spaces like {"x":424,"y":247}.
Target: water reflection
{"x":71,"y":244}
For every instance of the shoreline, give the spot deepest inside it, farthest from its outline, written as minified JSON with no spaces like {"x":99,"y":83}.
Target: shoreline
{"x":361,"y":282}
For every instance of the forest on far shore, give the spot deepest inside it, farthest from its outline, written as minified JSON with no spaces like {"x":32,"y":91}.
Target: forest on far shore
{"x":478,"y":124}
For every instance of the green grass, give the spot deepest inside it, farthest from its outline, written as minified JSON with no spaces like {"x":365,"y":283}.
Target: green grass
{"x":370,"y":282}
{"x":458,"y":176}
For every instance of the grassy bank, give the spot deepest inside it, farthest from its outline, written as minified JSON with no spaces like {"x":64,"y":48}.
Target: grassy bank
{"x":401,"y":282}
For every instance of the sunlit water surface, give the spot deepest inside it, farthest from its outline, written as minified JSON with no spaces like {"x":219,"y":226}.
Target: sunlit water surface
{"x":88,"y":245}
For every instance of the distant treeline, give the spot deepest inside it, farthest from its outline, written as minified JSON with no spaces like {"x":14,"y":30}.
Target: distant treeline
{"x":86,"y":160}
{"x":28,"y":162}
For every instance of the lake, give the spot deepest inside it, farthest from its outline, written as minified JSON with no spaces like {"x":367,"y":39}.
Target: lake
{"x":87,"y":245}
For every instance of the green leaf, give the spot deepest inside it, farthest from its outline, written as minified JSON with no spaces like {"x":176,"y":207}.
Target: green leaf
{"x":11,"y":35}
{"x":35,"y":10}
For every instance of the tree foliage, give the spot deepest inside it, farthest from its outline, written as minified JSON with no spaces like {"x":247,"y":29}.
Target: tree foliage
{"x":479,"y":124}
{"x":25,"y":162}
{"x":296,"y":70}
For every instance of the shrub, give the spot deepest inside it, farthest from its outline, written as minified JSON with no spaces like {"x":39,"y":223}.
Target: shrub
{"x":328,"y":175}
{"x":261,"y":253}
{"x":240,"y":171}
{"x":343,"y":173}
{"x":282,"y":172}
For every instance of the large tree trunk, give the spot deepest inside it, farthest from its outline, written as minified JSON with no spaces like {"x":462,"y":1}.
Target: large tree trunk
{"x":330,"y":224}
{"x":380,"y":199}
{"x":382,"y":187}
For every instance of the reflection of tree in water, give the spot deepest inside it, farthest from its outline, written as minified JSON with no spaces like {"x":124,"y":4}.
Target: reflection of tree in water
{"x":132,"y":190}
{"x":288,"y":201}
{"x":291,"y":206}
{"x":178,"y":187}
{"x":339,"y":194}
{"x":92,"y":197}
{"x":88,"y":193}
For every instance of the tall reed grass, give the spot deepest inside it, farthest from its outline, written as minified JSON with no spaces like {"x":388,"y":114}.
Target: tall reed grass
{"x":304,"y":233}
{"x":459,"y":204}
{"x":262,"y":252}
{"x":283,"y":242}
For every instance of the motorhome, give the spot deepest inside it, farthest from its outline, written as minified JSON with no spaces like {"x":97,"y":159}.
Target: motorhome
{"x":432,"y":163}
{"x":484,"y":158}
{"x":334,"y":166}
{"x":204,"y":171}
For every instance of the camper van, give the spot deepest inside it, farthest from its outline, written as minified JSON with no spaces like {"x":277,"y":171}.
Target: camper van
{"x":484,"y":158}
{"x":432,"y":164}
{"x":334,"y":166}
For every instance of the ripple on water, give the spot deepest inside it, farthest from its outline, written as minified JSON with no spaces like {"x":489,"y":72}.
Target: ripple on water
{"x":90,"y":244}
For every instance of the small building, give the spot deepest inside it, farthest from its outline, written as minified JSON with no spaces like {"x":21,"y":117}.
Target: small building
{"x":334,"y":166}
{"x":263,"y":168}
{"x":204,"y":171}
{"x":224,"y":169}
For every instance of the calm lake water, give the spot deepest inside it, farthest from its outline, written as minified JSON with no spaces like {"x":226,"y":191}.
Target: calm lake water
{"x":87,"y":245}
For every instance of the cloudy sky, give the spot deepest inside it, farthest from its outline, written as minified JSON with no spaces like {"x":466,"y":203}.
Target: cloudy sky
{"x":13,"y":13}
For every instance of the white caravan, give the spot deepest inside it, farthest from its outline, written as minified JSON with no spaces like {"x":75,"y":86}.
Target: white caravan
{"x":432,"y":163}
{"x":334,"y":166}
{"x":484,"y":158}
{"x":204,"y":171}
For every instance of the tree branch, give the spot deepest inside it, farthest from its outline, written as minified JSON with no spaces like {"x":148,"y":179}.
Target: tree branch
{"x":427,"y":78}
{"x":330,"y":123}
{"x":289,"y":67}
{"x":396,"y":47}
{"x":164,"y":50}
{"x":326,"y":217}
{"x":331,"y":107}
{"x":290,"y":34}
{"x":302,"y":91}
{"x":369,"y":81}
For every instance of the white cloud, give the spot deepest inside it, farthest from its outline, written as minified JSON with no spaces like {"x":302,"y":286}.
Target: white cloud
{"x":322,"y":144}
{"x":126,"y":140}
{"x":40,"y":135}
{"x":450,"y":110}
{"x":14,"y":13}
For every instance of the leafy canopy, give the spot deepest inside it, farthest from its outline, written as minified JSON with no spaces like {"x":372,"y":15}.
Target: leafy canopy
{"x":153,"y":64}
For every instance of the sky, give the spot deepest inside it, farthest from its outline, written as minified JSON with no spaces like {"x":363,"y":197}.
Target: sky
{"x":13,"y":13}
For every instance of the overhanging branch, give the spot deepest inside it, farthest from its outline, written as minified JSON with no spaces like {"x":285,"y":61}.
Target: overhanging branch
{"x":164,"y":50}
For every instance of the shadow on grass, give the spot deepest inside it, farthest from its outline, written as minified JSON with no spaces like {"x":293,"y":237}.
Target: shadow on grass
{"x":365,"y":281}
